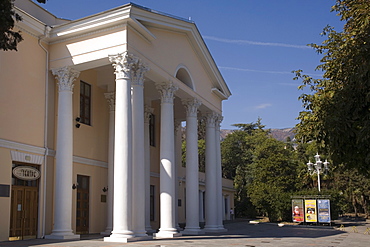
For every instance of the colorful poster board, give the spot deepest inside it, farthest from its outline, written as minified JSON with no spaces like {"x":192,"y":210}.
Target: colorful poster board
{"x":310,"y":211}
{"x":297,"y":210}
{"x":323,"y":211}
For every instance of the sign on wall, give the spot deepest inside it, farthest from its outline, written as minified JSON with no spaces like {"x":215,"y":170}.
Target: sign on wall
{"x":297,"y":210}
{"x":26,"y":173}
{"x":323,"y":211}
{"x":310,"y":211}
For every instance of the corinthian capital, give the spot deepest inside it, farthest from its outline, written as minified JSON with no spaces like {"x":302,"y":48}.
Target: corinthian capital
{"x":65,"y":76}
{"x":219,"y":119}
{"x":127,"y":65}
{"x":191,"y":106}
{"x":210,"y":118}
{"x":111,"y":98}
{"x":166,"y":89}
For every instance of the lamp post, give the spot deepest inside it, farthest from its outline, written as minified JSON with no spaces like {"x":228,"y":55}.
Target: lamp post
{"x":317,"y":168}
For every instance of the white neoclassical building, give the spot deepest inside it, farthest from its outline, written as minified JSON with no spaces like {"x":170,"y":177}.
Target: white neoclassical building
{"x":92,"y":116}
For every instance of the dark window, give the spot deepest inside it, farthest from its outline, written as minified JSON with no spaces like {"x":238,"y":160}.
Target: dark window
{"x":85,"y":103}
{"x":152,"y":130}
{"x":152,"y":202}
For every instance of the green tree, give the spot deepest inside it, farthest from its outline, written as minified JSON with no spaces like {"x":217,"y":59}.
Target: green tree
{"x":274,"y":177}
{"x":337,"y":114}
{"x":9,"y":39}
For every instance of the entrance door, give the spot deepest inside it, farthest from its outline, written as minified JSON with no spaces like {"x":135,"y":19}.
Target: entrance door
{"x":23,"y":221}
{"x":82,"y":214}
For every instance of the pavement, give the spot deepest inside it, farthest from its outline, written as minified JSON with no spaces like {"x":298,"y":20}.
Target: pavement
{"x":344,"y":232}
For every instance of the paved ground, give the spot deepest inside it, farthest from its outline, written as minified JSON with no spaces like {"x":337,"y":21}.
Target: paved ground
{"x":347,"y":232}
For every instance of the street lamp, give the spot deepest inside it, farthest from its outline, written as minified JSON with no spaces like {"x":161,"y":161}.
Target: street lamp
{"x":317,"y":168}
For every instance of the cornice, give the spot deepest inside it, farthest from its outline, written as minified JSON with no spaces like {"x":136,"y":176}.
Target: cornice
{"x":21,"y":147}
{"x":29,"y":24}
{"x":86,"y":34}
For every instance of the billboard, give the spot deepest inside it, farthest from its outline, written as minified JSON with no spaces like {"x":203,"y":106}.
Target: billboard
{"x":310,"y":211}
{"x":323,"y":211}
{"x":297,"y":210}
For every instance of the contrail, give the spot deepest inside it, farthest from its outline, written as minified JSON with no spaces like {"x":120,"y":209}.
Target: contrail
{"x":249,"y":42}
{"x":263,"y":71}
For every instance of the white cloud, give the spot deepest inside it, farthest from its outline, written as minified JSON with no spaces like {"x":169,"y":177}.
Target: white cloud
{"x":249,"y":42}
{"x":263,"y":106}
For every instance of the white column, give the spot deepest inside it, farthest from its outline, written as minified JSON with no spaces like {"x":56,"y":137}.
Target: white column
{"x":220,"y":200}
{"x":64,"y":156}
{"x":167,"y":163}
{"x":211,"y":175}
{"x":138,"y":159}
{"x":201,"y":206}
{"x":147,"y":112}
{"x":111,"y":98}
{"x":192,"y":168}
{"x":122,"y":207}
{"x":178,"y":163}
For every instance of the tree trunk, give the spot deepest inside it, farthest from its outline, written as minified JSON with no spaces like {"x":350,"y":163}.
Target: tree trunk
{"x":364,"y":206}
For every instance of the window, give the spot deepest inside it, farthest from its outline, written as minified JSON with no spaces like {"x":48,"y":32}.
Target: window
{"x":152,"y":130}
{"x":85,"y":103}
{"x":152,"y":202}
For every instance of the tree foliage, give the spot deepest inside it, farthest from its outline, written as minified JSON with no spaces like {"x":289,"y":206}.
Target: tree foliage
{"x":9,"y":38}
{"x":263,"y":169}
{"x":337,"y":114}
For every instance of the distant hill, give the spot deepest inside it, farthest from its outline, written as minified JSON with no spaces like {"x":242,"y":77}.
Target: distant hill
{"x":278,"y":134}
{"x":282,"y":134}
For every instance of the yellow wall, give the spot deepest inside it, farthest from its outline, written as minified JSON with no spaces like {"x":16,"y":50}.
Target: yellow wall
{"x":91,"y":141}
{"x":22,"y":83}
{"x":5,"y":178}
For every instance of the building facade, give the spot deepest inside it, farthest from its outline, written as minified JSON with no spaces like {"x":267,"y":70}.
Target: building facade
{"x":92,"y":113}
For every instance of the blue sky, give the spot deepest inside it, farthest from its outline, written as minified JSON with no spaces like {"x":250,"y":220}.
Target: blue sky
{"x":255,"y":43}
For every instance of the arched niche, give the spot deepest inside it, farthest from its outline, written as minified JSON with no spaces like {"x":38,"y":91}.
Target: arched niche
{"x":183,"y":75}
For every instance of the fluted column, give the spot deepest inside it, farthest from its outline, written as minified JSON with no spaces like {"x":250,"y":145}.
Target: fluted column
{"x":122,"y":207}
{"x":192,"y":168}
{"x":138,"y":159}
{"x":147,"y":112}
{"x":220,"y":202}
{"x":64,"y":156}
{"x":211,"y":174}
{"x":167,"y":163}
{"x":111,"y":98}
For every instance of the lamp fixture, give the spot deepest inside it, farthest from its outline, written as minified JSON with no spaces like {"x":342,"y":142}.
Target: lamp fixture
{"x":105,"y":189}
{"x":78,"y":119}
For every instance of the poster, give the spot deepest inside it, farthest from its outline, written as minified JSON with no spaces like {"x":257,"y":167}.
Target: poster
{"x":297,"y":210}
{"x":310,"y":211}
{"x":323,"y":211}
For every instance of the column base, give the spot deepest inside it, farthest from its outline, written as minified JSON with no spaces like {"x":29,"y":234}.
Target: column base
{"x":150,"y":230}
{"x":222,"y":229}
{"x":123,"y":239}
{"x":163,"y":235}
{"x":193,"y":231}
{"x":214,"y":229}
{"x":107,"y":232}
{"x":62,"y":236}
